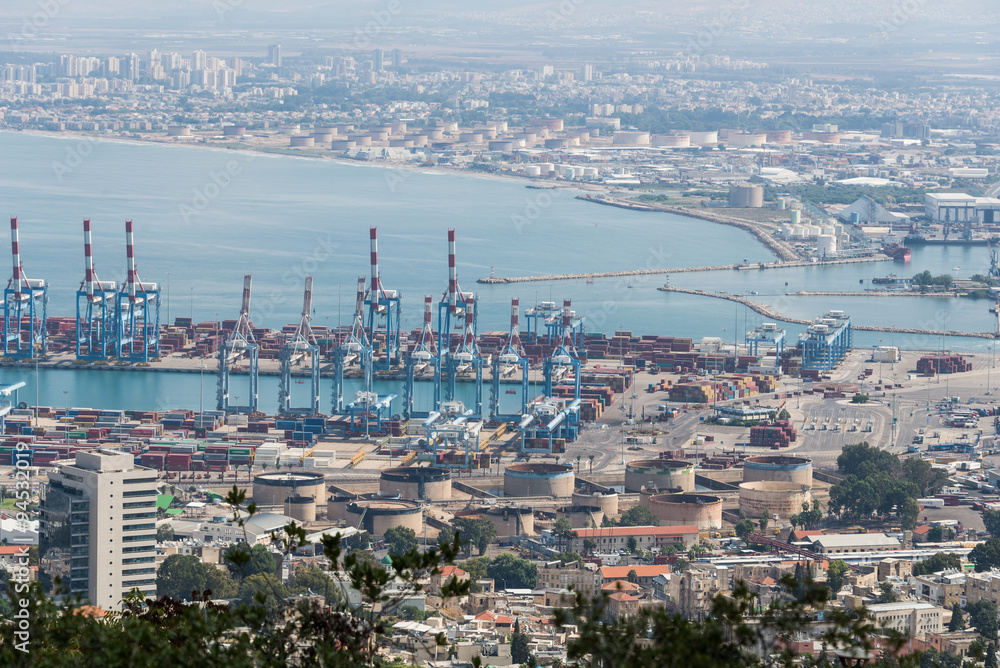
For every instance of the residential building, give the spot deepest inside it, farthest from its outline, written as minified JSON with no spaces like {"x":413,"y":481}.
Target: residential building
{"x":558,"y":575}
{"x":621,"y":604}
{"x":646,"y":538}
{"x":445,"y":575}
{"x":910,"y":618}
{"x":944,"y":589}
{"x":982,"y":585}
{"x":98,"y":527}
{"x":694,"y":589}
{"x":644,"y":575}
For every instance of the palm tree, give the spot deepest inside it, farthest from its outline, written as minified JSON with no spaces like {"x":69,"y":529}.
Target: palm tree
{"x":591,"y":458}
{"x":578,"y":458}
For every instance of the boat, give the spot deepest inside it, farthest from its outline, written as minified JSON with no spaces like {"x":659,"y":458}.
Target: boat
{"x":511,"y":391}
{"x":897,"y":252}
{"x":590,"y":281}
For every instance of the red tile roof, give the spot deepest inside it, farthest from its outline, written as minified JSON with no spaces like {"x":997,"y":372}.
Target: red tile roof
{"x":622,"y":597}
{"x":642,"y":571}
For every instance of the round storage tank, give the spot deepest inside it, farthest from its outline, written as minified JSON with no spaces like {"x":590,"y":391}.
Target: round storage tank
{"x":608,"y":503}
{"x":336,"y":506}
{"x":671,"y":141}
{"x":362,"y":140}
{"x":533,"y":170}
{"x":538,"y":480}
{"x":302,"y":141}
{"x":401,"y":143}
{"x":178,"y":131}
{"x":779,"y":136}
{"x":590,"y":173}
{"x":342,"y":144}
{"x":780,"y":499}
{"x":746,"y":196}
{"x":301,"y":508}
{"x":323,"y":137}
{"x":417,"y":139}
{"x":512,"y":520}
{"x":378,"y":516}
{"x":703,"y":138}
{"x":701,"y":510}
{"x":826,"y":246}
{"x":630,"y":138}
{"x":795,"y":217}
{"x":672,"y":475}
{"x":778,"y":468}
{"x":271,"y":489}
{"x":470,"y":137}
{"x":434,"y":134}
{"x":426,"y":483}
{"x":379,"y":135}
{"x":581,"y":517}
{"x":234,"y":131}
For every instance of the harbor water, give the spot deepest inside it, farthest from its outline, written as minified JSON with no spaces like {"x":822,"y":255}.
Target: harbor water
{"x":203,"y":218}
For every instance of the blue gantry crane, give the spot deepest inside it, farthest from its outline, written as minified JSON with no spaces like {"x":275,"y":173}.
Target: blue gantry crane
{"x":137,"y":313}
{"x":302,"y":346}
{"x":508,"y":361}
{"x":383,"y":314}
{"x":354,"y":346}
{"x":551,"y":417}
{"x":424,"y":354}
{"x":24,"y":307}
{"x":95,"y":309}
{"x":239,"y":343}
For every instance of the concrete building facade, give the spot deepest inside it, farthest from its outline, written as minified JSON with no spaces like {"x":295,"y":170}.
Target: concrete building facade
{"x":98,"y":527}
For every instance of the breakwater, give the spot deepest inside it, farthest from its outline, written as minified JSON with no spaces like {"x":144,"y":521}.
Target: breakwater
{"x":748,"y":266}
{"x":770,"y":313}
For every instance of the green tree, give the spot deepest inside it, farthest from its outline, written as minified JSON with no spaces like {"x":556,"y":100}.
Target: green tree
{"x":764,"y":519}
{"x":986,"y":555}
{"x":563,"y":532}
{"x":476,"y":568}
{"x":632,"y":544}
{"x":957,"y":622}
{"x":401,"y":540}
{"x":164,"y":532}
{"x":180,"y":576}
{"x":638,"y":516}
{"x":318,"y":582}
{"x":928,"y":479}
{"x":244,"y":561}
{"x":887,"y":593}
{"x":936,"y":563}
{"x":589,"y":545}
{"x":835,"y":575}
{"x":863,"y":460}
{"x":983,"y":616}
{"x":475,"y":531}
{"x":991,"y":518}
{"x":263,"y":589}
{"x":744,"y":528}
{"x":512,"y":572}
{"x":939,"y":534}
{"x":519,"y":651}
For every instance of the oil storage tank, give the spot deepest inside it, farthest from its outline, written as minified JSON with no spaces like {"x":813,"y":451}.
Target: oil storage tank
{"x":538,"y":480}
{"x":780,"y":499}
{"x":606,"y":501}
{"x":376,"y":516}
{"x":674,"y":475}
{"x":271,"y":489}
{"x":778,"y":468}
{"x":701,"y":510}
{"x":427,"y":483}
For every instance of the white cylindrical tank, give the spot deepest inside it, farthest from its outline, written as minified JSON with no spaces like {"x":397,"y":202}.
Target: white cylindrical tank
{"x":533,"y":170}
{"x":547,"y":167}
{"x":703,"y":138}
{"x":826,"y":245}
{"x":590,"y":172}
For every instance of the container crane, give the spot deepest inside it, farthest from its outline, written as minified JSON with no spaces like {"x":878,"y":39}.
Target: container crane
{"x":506,"y":363}
{"x":355,"y":346}
{"x":239,"y":342}
{"x":95,"y":309}
{"x":300,"y":346}
{"x":424,"y":354}
{"x":137,"y":312}
{"x":382,"y":304}
{"x":551,"y":417}
{"x":467,"y":357}
{"x":452,"y":312}
{"x":25,"y":300}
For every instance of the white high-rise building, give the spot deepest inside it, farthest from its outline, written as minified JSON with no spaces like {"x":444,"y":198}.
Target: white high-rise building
{"x":199,"y":60}
{"x":98,"y":527}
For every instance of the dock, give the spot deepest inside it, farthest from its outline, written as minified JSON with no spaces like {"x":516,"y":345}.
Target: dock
{"x":742,"y":266}
{"x":771,"y":314}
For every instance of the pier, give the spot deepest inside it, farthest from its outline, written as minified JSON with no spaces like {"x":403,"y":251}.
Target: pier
{"x":771,"y":314}
{"x":743,"y":266}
